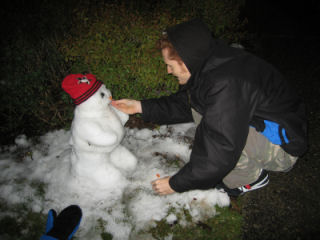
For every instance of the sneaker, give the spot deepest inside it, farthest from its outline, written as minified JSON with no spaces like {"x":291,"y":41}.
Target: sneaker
{"x":262,"y":181}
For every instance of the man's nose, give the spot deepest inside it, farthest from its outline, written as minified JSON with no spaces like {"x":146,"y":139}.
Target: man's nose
{"x":169,"y":70}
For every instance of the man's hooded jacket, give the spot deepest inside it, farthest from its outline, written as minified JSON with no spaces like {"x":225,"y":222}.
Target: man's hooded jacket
{"x":232,"y":90}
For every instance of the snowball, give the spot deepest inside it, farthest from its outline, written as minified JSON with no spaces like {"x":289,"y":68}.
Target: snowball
{"x":21,"y":141}
{"x":171,"y":218}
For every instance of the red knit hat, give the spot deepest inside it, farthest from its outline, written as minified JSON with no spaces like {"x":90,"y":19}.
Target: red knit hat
{"x":80,"y":87}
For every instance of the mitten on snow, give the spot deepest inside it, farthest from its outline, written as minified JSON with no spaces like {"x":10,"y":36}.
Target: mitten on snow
{"x":63,"y":226}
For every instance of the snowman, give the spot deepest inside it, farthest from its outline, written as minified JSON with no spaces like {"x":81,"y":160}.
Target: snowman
{"x":98,"y":160}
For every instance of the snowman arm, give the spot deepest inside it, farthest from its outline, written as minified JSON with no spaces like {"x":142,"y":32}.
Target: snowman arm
{"x":95,"y":135}
{"x":122,"y":116}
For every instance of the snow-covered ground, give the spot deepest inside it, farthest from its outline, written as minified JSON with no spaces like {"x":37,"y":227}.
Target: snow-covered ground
{"x":160,"y":152}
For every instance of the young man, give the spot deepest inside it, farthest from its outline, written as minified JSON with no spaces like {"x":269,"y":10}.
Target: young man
{"x":249,"y":120}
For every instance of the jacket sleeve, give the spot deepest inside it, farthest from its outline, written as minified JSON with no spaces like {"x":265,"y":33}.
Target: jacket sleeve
{"x":167,"y":110}
{"x":219,"y":140}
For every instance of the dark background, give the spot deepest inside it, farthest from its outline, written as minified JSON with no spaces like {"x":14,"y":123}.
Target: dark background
{"x":295,"y":18}
{"x":265,"y":16}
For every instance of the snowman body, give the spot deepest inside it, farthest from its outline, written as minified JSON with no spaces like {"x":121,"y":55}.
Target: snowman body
{"x":97,"y":157}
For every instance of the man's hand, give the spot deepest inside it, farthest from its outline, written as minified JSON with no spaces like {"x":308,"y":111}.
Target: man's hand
{"x":161,"y":186}
{"x":128,"y":106}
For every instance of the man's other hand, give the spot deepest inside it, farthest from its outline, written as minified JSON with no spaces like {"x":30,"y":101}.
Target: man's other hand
{"x":161,"y":186}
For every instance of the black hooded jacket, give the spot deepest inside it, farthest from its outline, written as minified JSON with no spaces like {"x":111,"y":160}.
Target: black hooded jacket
{"x":232,"y":90}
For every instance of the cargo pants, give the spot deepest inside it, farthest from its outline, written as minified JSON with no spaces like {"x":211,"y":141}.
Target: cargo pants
{"x":258,"y":153}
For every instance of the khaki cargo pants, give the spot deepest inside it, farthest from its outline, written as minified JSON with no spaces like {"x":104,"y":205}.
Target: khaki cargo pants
{"x":258,"y":153}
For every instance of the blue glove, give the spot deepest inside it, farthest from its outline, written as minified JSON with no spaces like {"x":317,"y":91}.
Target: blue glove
{"x":272,"y":132}
{"x":63,"y":226}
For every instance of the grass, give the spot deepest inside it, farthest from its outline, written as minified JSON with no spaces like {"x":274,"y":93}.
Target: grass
{"x":225,"y":225}
{"x":20,"y":222}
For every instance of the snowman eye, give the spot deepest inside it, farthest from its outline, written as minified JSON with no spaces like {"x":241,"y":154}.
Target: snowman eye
{"x":102,"y":95}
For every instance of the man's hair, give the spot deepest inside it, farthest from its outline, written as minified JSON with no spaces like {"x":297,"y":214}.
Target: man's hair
{"x":172,"y":52}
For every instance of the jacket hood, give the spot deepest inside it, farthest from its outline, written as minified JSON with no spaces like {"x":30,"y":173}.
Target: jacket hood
{"x":193,"y":42}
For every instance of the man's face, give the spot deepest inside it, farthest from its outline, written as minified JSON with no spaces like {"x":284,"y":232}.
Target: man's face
{"x":175,"y":68}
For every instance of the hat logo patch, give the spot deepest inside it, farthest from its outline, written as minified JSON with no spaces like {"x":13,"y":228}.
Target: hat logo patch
{"x":83,"y":80}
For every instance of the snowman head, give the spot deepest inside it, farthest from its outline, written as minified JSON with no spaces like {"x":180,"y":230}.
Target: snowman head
{"x":98,"y":101}
{"x":85,"y":89}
